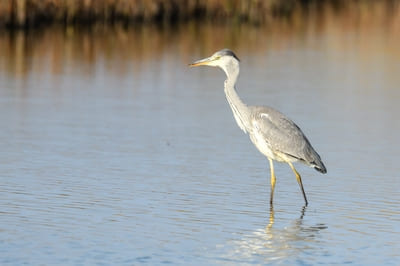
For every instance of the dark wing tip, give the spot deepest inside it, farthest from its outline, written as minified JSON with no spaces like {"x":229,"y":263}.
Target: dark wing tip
{"x":320,"y":167}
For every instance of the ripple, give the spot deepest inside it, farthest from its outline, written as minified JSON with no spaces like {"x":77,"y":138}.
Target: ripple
{"x":147,"y":166}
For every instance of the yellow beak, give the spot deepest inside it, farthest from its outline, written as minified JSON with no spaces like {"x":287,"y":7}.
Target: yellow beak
{"x":202,"y":62}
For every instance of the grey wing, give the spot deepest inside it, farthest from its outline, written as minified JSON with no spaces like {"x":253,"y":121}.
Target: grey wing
{"x":283,"y":135}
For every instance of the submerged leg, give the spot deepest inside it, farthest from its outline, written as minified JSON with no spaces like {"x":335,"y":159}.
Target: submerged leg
{"x":271,"y":219}
{"x":273,"y":180}
{"x":298,"y":178}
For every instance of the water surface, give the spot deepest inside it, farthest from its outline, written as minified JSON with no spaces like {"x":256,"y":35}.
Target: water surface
{"x":113,"y":151}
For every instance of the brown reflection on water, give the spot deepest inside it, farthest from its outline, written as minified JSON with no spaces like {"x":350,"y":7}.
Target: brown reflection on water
{"x":375,"y":27}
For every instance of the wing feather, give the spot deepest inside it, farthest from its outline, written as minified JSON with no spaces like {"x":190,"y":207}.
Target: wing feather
{"x":282,"y":134}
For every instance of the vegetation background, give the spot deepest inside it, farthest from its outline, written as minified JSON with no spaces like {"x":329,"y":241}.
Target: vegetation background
{"x":29,"y":13}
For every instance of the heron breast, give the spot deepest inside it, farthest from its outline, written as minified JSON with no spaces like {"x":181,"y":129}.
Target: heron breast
{"x":264,"y":147}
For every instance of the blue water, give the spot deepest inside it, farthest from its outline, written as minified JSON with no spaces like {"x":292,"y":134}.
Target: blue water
{"x":137,"y":159}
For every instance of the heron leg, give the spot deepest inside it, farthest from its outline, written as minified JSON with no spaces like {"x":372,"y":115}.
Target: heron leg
{"x":271,"y":219}
{"x":298,"y":178}
{"x":273,"y":180}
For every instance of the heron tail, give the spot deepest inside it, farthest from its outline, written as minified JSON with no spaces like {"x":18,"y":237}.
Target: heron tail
{"x":319,"y":166}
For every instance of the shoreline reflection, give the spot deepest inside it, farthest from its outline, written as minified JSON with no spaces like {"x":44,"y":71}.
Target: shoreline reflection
{"x":120,"y":48}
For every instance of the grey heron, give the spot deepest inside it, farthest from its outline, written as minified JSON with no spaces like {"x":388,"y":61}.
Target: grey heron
{"x":275,"y":135}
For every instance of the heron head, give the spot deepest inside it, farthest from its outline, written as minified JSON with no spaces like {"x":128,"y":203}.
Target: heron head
{"x":220,"y":59}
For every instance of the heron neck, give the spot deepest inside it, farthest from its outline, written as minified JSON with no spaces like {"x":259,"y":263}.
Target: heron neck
{"x":240,"y":110}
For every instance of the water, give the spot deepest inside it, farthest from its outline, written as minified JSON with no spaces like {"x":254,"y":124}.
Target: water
{"x":113,"y":151}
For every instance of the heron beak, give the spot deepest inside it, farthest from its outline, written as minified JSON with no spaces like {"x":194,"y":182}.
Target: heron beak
{"x":202,"y":62}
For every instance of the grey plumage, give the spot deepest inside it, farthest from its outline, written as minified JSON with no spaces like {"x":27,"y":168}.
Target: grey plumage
{"x":285,"y":137}
{"x":274,"y":134}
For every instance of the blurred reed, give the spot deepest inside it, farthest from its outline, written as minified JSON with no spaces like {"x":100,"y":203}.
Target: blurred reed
{"x":57,"y":49}
{"x":28,"y":13}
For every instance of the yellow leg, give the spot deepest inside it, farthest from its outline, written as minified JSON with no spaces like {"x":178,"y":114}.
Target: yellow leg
{"x":298,"y":178}
{"x":273,"y":180}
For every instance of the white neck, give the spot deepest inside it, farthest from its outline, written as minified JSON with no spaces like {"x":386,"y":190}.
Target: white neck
{"x":240,"y":110}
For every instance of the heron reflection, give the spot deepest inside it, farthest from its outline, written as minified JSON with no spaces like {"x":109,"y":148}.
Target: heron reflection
{"x":276,"y":242}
